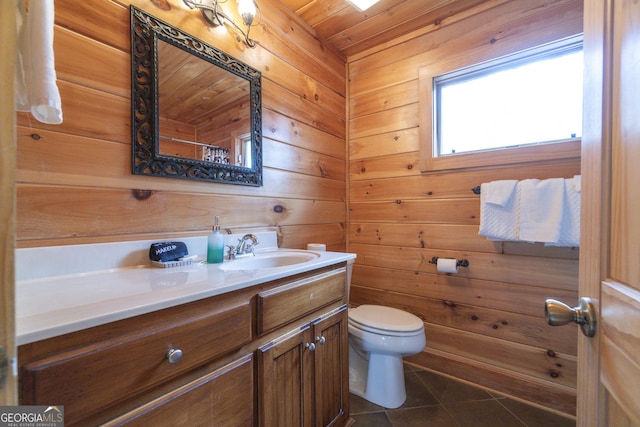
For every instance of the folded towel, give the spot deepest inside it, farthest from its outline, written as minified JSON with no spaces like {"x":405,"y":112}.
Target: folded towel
{"x":498,"y":192}
{"x":570,"y":227}
{"x":36,"y":87}
{"x":500,"y":210}
{"x":541,"y":209}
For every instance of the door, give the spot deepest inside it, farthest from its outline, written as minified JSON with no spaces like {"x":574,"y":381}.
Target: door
{"x":609,"y":363}
{"x":331,"y":369}
{"x":8,"y":387}
{"x":285,"y":380}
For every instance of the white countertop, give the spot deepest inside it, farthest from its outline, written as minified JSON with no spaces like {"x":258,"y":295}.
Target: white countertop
{"x":50,"y":306}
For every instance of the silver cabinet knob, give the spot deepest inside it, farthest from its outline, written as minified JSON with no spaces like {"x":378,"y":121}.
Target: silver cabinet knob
{"x":321,"y":340}
{"x":558,"y":313}
{"x":310,"y":346}
{"x":174,"y":355}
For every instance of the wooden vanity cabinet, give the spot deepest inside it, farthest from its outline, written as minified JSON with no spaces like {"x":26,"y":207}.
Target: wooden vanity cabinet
{"x":274,"y":354}
{"x":303,"y":376}
{"x":99,"y":373}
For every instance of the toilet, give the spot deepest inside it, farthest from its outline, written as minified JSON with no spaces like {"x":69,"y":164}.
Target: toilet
{"x":379,"y":337}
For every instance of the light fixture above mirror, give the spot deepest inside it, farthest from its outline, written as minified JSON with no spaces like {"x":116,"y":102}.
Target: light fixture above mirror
{"x":214,"y":15}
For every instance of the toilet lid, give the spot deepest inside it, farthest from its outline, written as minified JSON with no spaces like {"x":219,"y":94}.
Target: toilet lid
{"x":385,"y":319}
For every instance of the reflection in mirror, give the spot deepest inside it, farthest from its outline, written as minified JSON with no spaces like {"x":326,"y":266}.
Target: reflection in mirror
{"x":204,"y":111}
{"x":196,"y":111}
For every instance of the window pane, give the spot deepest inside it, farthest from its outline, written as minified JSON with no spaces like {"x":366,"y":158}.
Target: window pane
{"x":534,"y":101}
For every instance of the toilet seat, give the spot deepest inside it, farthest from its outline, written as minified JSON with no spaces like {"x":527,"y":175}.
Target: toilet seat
{"x":385,"y":320}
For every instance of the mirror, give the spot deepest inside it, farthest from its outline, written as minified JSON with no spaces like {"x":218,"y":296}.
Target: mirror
{"x":196,"y":111}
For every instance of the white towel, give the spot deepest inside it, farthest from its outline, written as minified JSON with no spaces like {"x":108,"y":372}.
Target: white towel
{"x":498,"y":192}
{"x":541,"y":209}
{"x":499,"y":210}
{"x":36,"y":88}
{"x":570,"y":228}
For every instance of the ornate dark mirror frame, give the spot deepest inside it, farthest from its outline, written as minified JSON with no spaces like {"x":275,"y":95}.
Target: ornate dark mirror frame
{"x":146,"y":30}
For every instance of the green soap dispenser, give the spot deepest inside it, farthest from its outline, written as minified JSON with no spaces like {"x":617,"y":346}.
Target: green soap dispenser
{"x":215,"y":244}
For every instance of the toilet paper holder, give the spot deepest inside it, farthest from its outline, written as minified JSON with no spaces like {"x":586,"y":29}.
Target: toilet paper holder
{"x":459,"y":262}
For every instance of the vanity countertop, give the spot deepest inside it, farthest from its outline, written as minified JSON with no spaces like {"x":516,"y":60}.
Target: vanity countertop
{"x":51,"y":306}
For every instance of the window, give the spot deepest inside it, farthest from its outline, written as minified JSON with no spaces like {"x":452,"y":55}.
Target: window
{"x":501,"y":111}
{"x":243,"y":150}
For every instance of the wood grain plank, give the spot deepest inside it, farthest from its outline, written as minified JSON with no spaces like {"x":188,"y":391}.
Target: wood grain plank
{"x":452,"y":290}
{"x":555,"y":398}
{"x":387,"y":98}
{"x":88,"y":62}
{"x":401,"y":141}
{"x":479,"y":35}
{"x":466,"y":211}
{"x":347,"y":17}
{"x":619,"y":377}
{"x":8,"y":166}
{"x":290,"y":104}
{"x":514,"y":327}
{"x":298,"y":236}
{"x":294,"y":159}
{"x":93,"y":17}
{"x":433,"y":236}
{"x":620,"y":332}
{"x":545,"y":272}
{"x":539,"y":363}
{"x":278,"y":127}
{"x":397,"y":119}
{"x":303,"y":50}
{"x":405,"y":17}
{"x":58,"y":212}
{"x":90,"y":113}
{"x":391,"y":166}
{"x":456,"y":184}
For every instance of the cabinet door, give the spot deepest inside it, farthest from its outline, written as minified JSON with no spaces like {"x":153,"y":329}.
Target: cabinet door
{"x":331,"y":369}
{"x":223,"y":398}
{"x":285,"y":380}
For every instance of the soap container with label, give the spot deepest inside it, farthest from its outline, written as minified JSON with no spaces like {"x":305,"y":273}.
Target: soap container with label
{"x":215,"y":244}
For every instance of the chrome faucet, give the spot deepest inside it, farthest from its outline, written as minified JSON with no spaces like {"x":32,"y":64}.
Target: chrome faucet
{"x":244,"y":247}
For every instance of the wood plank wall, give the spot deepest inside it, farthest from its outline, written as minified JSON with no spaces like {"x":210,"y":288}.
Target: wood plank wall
{"x":74,"y":181}
{"x":484,"y":325}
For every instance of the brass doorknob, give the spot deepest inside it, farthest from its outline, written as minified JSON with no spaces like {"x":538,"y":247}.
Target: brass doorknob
{"x":558,"y":313}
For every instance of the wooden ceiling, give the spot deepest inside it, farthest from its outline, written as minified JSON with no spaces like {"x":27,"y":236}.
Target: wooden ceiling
{"x":352,"y":31}
{"x":193,"y":91}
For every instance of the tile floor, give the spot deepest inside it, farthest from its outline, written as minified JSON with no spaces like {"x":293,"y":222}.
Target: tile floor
{"x":434,"y":400}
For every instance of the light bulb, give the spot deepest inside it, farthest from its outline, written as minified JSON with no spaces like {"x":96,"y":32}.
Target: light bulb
{"x":247,"y":9}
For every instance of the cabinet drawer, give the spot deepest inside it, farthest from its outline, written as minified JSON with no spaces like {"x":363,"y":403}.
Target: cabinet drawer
{"x":284,"y":304}
{"x":96,"y":376}
{"x":223,"y":398}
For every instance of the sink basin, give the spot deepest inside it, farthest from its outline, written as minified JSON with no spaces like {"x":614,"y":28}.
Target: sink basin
{"x":273,"y":259}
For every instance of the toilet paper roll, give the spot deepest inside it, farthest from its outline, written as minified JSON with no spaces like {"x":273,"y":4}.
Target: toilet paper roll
{"x":317,"y":247}
{"x":447,"y":265}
